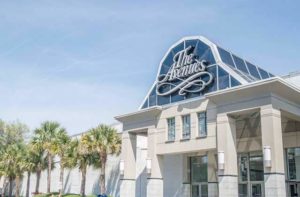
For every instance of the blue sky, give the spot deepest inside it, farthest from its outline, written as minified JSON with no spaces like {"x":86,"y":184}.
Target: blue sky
{"x":83,"y":62}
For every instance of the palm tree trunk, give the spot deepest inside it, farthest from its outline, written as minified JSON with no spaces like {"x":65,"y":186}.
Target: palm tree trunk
{"x":10,"y":187}
{"x":61,"y":179}
{"x":102,"y":173}
{"x":49,"y":173}
{"x":83,"y":180}
{"x":28,"y":183}
{"x":17,"y":194}
{"x":38,"y":178}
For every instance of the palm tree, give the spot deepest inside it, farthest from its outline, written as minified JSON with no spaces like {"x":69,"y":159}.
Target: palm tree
{"x":47,"y":134}
{"x":62,"y":149}
{"x":12,"y":165}
{"x":12,"y":153}
{"x":103,"y":140}
{"x":84,"y":158}
{"x":30,"y":163}
{"x":39,"y":159}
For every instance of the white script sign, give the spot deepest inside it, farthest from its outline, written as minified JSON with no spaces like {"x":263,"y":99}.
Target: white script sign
{"x":187,"y":72}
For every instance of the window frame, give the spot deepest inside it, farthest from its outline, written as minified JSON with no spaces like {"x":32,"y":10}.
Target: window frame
{"x":183,"y":136}
{"x":168,"y":129}
{"x":199,"y":133}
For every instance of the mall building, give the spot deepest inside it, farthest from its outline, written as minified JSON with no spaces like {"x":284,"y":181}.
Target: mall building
{"x":212,"y":124}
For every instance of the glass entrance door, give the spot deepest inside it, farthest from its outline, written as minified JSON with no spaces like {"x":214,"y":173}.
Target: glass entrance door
{"x":199,"y":176}
{"x":251,"y":175}
{"x":293,"y":167}
{"x":256,"y":189}
{"x":200,"y":190}
{"x":294,"y":189}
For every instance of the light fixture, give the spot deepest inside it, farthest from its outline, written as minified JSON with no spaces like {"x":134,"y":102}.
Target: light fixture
{"x":221,"y":160}
{"x":267,"y":156}
{"x":121,"y":167}
{"x":148,"y":165}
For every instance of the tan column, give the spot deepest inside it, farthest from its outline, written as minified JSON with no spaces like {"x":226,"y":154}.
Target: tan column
{"x":155,"y":178}
{"x":226,"y":142}
{"x":212,"y":174}
{"x":128,"y":154}
{"x":272,"y":137}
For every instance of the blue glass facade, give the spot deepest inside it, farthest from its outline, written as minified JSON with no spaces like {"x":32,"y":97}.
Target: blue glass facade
{"x":222,"y":77}
{"x":246,"y":70}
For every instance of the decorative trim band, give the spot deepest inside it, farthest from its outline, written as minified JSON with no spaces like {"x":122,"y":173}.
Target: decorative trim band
{"x":274,"y":173}
{"x":231,"y":175}
{"x":155,"y":178}
{"x":127,"y":179}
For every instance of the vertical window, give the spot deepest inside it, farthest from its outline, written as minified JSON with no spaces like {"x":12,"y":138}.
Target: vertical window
{"x":171,"y":129}
{"x":186,"y":127}
{"x":293,"y":162}
{"x":256,"y":167}
{"x":199,"y":169}
{"x":202,"y":124}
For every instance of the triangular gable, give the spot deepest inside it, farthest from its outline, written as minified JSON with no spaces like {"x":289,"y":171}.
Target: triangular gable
{"x":194,"y":66}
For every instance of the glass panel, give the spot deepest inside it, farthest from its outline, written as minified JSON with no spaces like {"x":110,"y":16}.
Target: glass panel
{"x":293,"y":160}
{"x":271,"y":75}
{"x":263,"y":73}
{"x":243,"y":172}
{"x":243,"y":190}
{"x":253,"y":70}
{"x":226,"y":57}
{"x":223,"y":78}
{"x":178,"y":48}
{"x":161,"y":100}
{"x":204,"y":52}
{"x":240,"y":64}
{"x":256,"y":190}
{"x":234,"y":82}
{"x":199,"y":169}
{"x":294,"y":189}
{"x":192,"y":43}
{"x":171,"y":129}
{"x":256,"y":167}
{"x":145,"y":105}
{"x":213,"y":86}
{"x":204,"y":190}
{"x":195,"y":191}
{"x":202,"y":124}
{"x":152,"y":97}
{"x":186,"y":126}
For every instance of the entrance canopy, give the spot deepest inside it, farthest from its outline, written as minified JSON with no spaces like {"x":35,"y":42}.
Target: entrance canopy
{"x":195,"y":66}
